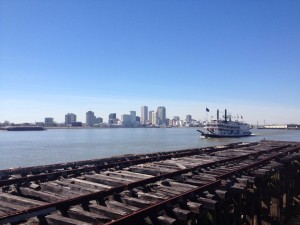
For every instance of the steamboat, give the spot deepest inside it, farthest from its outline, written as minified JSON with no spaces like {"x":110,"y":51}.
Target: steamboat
{"x":225,"y":128}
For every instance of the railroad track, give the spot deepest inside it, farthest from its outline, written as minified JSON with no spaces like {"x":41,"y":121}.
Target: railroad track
{"x":161,"y":188}
{"x":46,"y":172}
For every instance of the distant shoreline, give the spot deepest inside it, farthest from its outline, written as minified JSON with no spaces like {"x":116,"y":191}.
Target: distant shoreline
{"x":117,"y":127}
{"x":72,"y":128}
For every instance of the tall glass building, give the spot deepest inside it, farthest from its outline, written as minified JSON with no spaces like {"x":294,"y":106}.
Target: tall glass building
{"x":70,"y":118}
{"x":188,"y":118}
{"x":111,"y":118}
{"x":161,"y":115}
{"x":144,"y":114}
{"x":90,"y":118}
{"x":151,"y":112}
{"x":133,"y":116}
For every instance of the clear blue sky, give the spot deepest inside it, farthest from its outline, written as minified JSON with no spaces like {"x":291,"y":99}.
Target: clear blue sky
{"x":58,"y":57}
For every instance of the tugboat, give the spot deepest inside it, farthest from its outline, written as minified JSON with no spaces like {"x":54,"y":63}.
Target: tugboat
{"x":225,"y":128}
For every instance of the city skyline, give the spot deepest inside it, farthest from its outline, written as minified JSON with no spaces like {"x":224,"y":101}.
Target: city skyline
{"x":159,"y":115}
{"x":114,"y":56}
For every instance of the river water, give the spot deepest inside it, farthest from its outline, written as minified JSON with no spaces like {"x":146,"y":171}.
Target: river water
{"x":31,"y":148}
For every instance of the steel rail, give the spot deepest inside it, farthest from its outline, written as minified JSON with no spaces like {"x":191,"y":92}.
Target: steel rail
{"x":101,"y":161}
{"x":143,"y":213}
{"x":43,"y":168}
{"x":54,"y":175}
{"x":65,"y":204}
{"x":260,"y":162}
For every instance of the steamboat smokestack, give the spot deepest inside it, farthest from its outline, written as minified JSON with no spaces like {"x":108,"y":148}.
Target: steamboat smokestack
{"x":217,"y":114}
{"x":225,"y":115}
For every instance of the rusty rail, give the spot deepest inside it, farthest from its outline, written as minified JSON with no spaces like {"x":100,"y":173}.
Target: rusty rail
{"x":131,"y":218}
{"x":123,"y":163}
{"x":84,"y":199}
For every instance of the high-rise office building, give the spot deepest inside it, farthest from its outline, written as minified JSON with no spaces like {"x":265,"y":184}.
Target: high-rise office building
{"x":90,"y":118}
{"x":161,"y":115}
{"x":126,"y":120}
{"x":188,"y":118}
{"x":70,"y":118}
{"x":150,"y":116}
{"x":133,"y":116}
{"x":144,"y":114}
{"x":154,"y":118}
{"x":138,"y":119}
{"x":111,"y":118}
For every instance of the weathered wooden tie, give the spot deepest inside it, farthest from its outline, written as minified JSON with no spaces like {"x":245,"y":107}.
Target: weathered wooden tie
{"x":240,"y":183}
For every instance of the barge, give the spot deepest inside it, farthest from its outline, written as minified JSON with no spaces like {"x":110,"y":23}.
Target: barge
{"x":25,"y":128}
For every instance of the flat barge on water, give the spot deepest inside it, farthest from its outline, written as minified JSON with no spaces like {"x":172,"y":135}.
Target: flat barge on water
{"x":25,"y":128}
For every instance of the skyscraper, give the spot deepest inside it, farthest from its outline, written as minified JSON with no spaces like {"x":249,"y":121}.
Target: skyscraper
{"x":188,"y":118}
{"x":144,"y":114}
{"x":90,"y":118}
{"x":161,"y":115}
{"x":126,"y":120}
{"x":133,"y":116}
{"x":70,"y":118}
{"x":154,"y":118}
{"x":150,"y":116}
{"x":111,"y":118}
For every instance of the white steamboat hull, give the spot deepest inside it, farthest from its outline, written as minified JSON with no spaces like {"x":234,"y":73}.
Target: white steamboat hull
{"x":225,"y":136}
{"x":219,"y":130}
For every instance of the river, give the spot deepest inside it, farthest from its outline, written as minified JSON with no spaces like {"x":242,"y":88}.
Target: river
{"x":31,"y":148}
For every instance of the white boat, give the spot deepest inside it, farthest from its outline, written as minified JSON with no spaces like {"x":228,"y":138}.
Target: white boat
{"x":225,"y":128}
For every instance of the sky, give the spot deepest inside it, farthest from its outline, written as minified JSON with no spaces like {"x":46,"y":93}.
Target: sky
{"x":71,"y":56}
